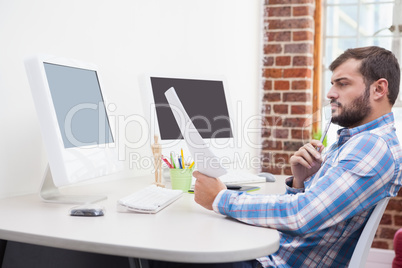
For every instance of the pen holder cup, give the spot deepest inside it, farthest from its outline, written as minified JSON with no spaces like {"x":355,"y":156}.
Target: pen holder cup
{"x":181,"y":178}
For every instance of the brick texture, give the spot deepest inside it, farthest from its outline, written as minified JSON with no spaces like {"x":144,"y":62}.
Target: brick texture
{"x":391,"y":221}
{"x":287,"y":75}
{"x":287,"y":98}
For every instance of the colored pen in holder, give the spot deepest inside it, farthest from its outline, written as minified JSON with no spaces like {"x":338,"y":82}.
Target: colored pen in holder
{"x":180,"y":175}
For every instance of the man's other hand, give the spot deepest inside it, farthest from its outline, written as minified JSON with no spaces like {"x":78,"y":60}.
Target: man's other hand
{"x":206,"y":189}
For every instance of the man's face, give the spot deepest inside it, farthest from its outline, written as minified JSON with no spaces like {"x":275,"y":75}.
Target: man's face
{"x":350,"y":98}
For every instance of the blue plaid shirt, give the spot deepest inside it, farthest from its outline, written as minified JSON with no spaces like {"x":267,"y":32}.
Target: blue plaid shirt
{"x":319,"y":225}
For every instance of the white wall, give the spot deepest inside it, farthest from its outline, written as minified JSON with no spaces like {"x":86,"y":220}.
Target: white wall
{"x":125,"y":39}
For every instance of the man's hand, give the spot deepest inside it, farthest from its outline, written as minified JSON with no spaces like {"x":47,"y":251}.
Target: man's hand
{"x":306,"y":162}
{"x":206,"y":189}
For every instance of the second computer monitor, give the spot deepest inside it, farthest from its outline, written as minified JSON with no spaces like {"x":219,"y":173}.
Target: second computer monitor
{"x":69,"y":100}
{"x":207,"y":103}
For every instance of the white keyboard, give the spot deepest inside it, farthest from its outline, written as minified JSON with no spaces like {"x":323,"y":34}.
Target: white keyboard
{"x":150,"y":199}
{"x":241,"y":177}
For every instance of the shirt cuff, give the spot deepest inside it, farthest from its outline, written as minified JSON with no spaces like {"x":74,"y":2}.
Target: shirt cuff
{"x":290,"y":189}
{"x":216,"y":201}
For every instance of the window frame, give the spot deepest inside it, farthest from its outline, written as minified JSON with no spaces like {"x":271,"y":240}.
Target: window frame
{"x":396,"y":36}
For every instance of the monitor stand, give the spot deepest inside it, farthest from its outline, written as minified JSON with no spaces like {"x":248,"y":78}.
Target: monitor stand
{"x":50,"y":193}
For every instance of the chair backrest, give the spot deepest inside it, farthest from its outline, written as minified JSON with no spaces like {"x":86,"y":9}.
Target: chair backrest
{"x":363,"y":246}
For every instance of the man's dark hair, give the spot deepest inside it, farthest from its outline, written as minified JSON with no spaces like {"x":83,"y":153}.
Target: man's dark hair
{"x":376,"y":63}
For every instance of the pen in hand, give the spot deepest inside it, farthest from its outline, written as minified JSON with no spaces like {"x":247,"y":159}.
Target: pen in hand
{"x":324,"y":134}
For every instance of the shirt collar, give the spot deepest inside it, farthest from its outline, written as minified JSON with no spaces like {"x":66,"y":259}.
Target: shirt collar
{"x":344,"y":134}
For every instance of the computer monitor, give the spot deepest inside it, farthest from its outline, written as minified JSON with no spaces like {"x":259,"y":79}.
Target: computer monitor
{"x":75,"y":127}
{"x":206,"y":101}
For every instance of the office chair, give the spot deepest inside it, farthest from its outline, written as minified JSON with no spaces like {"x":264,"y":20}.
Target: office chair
{"x":363,"y":246}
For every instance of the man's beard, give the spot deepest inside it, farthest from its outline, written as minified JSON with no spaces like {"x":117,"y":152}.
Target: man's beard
{"x":355,"y":112}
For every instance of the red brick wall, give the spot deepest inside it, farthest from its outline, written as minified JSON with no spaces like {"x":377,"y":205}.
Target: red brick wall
{"x":287,"y":76}
{"x":391,"y":221}
{"x":287,"y":103}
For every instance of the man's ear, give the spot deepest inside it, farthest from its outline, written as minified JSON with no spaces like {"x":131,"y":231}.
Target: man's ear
{"x":380,"y":89}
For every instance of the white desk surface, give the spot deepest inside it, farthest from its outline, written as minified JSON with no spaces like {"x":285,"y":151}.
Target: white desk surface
{"x":184,"y":231}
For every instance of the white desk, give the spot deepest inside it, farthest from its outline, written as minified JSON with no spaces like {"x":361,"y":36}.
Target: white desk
{"x":184,"y":231}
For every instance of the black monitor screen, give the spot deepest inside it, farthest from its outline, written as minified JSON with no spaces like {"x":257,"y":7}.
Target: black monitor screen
{"x":204,"y":102}
{"x":79,"y":106}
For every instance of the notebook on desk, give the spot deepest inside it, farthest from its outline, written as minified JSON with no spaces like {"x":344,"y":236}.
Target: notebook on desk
{"x":206,"y":161}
